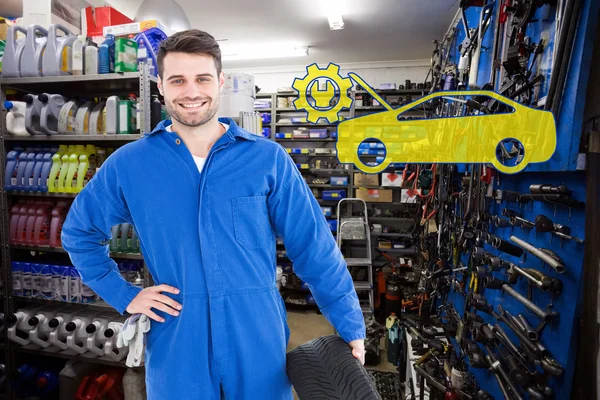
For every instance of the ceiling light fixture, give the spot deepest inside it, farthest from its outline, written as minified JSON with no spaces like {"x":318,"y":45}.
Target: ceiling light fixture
{"x":335,"y":21}
{"x":261,"y":53}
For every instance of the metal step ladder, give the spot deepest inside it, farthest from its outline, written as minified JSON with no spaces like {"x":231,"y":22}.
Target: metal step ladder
{"x":356,"y":228}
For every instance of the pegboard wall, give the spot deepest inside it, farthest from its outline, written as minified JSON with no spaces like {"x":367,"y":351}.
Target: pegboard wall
{"x":559,"y":336}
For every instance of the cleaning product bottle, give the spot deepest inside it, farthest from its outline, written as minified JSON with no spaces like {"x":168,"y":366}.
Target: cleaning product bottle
{"x":126,"y":55}
{"x":29,"y":168}
{"x":33,"y":111}
{"x":22,"y":223}
{"x":58,"y":336}
{"x":79,"y":55}
{"x":71,"y":178}
{"x":46,"y":383}
{"x":389,"y":322}
{"x":56,"y":275}
{"x":34,"y":185}
{"x":10,"y":173}
{"x":126,"y":117}
{"x":58,"y":58}
{"x":66,"y":118}
{"x":111,"y":115}
{"x":125,"y":229}
{"x":13,"y":51}
{"x":82,"y":118}
{"x":52,"y":104}
{"x":148,"y":43}
{"x":106,"y":55}
{"x":65,"y":282}
{"x":96,"y":339}
{"x":40,"y":331}
{"x":15,"y":118}
{"x":82,"y":171}
{"x":17,"y":284}
{"x":21,"y":168}
{"x":30,"y":222}
{"x":64,"y":169}
{"x":43,"y":220}
{"x":75,"y":286}
{"x":46,"y":282}
{"x":96,"y":120}
{"x":76,"y":339}
{"x":27,"y":280}
{"x":393,"y":350}
{"x":91,"y":60}
{"x":54,"y":178}
{"x":115,"y":239}
{"x":112,"y":334}
{"x":134,"y":245}
{"x":58,"y":218}
{"x":35,"y":45}
{"x":15,"y":214}
{"x":155,"y":112}
{"x":45,"y":172}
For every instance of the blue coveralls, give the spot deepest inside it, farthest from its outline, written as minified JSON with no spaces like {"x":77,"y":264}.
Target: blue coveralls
{"x":212,"y":235}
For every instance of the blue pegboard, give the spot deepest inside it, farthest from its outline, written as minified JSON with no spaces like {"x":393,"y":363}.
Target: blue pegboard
{"x":558,"y":336}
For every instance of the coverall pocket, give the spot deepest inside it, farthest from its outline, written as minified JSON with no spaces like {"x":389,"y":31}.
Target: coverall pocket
{"x":251,"y":222}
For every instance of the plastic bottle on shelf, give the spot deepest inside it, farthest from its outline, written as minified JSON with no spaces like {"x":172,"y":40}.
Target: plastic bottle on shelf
{"x":15,"y":214}
{"x":52,"y":104}
{"x":21,"y":235}
{"x":112,"y":334}
{"x":75,"y":286}
{"x":66,"y":118}
{"x":58,"y":218}
{"x":30,"y":222}
{"x":23,"y":379}
{"x":40,"y":330}
{"x":58,"y":336}
{"x":71,"y":178}
{"x":106,"y":55}
{"x":91,"y":60}
{"x":86,"y":168}
{"x":35,"y":45}
{"x":96,"y":120}
{"x":13,"y":51}
{"x":155,"y":112}
{"x":36,"y":271}
{"x":76,"y":339}
{"x":18,"y":182}
{"x":126,"y":117}
{"x":10,"y":173}
{"x":34,"y":184}
{"x":115,"y":239}
{"x":82,"y":118}
{"x":15,"y":118}
{"x":393,"y":339}
{"x":96,"y":339}
{"x":27,"y":178}
{"x":54,"y":176}
{"x":42,"y":185}
{"x":33,"y":110}
{"x":389,"y":322}
{"x":123,"y":243}
{"x":71,"y":376}
{"x":19,"y":325}
{"x":46,"y":383}
{"x":65,"y":282}
{"x":17,"y":284}
{"x":64,"y":169}
{"x":79,"y":55}
{"x":58,"y":57}
{"x":133,"y":245}
{"x":41,"y":232}
{"x":111,"y":115}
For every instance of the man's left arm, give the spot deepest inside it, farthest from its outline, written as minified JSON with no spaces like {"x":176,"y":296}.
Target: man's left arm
{"x":298,"y":219}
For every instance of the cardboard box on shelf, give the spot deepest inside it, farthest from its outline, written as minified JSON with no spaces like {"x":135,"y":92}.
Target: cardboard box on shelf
{"x":135,"y":28}
{"x":374,"y":195}
{"x":94,"y":20}
{"x":47,"y":12}
{"x":366,"y":179}
{"x":408,"y":197}
{"x":391,"y":179}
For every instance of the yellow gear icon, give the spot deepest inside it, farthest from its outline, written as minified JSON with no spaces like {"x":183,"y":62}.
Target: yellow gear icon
{"x":322,"y":98}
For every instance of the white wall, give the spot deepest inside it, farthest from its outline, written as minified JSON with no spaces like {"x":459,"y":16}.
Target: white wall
{"x":374,"y":73}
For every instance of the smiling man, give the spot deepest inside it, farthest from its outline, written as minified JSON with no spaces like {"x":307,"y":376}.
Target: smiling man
{"x":208,"y":199}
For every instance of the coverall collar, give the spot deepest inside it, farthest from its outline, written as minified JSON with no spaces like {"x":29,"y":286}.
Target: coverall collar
{"x":233,"y":132}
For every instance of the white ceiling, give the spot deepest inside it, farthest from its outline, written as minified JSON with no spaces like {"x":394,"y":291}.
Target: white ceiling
{"x":375,"y":30}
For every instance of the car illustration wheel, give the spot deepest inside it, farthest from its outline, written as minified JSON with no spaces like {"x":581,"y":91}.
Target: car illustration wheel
{"x":325,"y":369}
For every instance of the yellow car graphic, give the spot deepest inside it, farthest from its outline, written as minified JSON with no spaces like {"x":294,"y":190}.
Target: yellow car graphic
{"x":462,"y":139}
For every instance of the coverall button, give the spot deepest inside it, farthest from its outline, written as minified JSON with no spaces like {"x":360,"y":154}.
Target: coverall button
{"x":178,"y":141}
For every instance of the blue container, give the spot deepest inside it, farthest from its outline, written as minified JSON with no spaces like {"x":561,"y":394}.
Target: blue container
{"x":26,"y":279}
{"x":266,"y":118}
{"x":332,"y":224}
{"x":327,"y":211}
{"x":56,"y":272}
{"x":17,"y":283}
{"x":334,"y":195}
{"x":266,"y":132}
{"x":36,"y":280}
{"x":106,"y":55}
{"x":74,"y":285}
{"x":45,"y":279}
{"x":339,"y":181}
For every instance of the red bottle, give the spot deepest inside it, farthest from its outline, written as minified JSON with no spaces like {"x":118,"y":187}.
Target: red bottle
{"x":30,"y":224}
{"x":58,"y":218}
{"x":14,"y":222}
{"x":43,"y":219}
{"x":22,"y":223}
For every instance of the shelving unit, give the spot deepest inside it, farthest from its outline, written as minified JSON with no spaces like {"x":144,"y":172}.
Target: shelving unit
{"x":141,"y":83}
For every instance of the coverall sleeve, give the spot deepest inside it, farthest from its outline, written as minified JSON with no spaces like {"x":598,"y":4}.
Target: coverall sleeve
{"x":87,"y":232}
{"x":298,"y":219}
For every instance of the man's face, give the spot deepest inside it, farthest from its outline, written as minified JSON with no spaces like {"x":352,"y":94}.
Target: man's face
{"x":191,"y":87}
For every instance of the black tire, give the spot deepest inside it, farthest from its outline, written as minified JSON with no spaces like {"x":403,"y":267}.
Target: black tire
{"x":325,"y":369}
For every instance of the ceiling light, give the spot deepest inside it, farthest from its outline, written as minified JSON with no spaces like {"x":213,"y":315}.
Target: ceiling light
{"x":335,"y":21}
{"x":264,"y":53}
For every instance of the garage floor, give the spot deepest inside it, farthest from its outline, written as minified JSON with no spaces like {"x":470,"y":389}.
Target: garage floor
{"x":308,"y":325}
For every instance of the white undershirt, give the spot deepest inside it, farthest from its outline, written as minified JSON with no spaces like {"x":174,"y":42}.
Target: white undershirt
{"x":199,"y":160}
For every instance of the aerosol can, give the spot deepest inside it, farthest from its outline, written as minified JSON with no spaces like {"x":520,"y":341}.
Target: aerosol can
{"x":19,"y":328}
{"x":40,"y":330}
{"x":58,"y":324}
{"x":96,"y":340}
{"x":110,"y":347}
{"x":77,"y":335}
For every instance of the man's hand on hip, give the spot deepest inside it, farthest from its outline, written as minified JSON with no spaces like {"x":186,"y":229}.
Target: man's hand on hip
{"x":151,"y":297}
{"x":358,"y":350}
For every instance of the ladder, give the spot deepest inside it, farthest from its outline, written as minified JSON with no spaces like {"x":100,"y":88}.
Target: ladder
{"x":357,"y":228}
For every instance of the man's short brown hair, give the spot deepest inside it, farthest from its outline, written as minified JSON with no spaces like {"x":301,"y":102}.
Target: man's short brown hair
{"x":192,"y":41}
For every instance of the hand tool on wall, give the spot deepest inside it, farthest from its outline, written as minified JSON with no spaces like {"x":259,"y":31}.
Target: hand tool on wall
{"x":547,"y":256}
{"x":544,"y":224}
{"x":497,"y":284}
{"x":535,"y":278}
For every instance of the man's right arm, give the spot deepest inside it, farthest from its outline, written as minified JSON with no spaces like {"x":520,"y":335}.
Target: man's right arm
{"x":85,"y":236}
